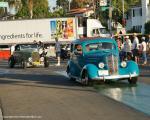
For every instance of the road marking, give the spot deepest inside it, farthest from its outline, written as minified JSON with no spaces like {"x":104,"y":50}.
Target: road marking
{"x":63,"y":73}
{"x":2,"y":71}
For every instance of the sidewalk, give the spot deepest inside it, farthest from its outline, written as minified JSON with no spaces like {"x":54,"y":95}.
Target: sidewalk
{"x":148,"y":61}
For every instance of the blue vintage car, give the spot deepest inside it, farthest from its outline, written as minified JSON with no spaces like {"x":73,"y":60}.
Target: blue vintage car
{"x":98,"y":59}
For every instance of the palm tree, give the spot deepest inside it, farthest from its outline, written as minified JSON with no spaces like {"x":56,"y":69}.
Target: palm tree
{"x":30,"y":6}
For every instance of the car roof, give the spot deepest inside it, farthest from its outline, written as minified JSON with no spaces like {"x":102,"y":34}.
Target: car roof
{"x":92,"y":40}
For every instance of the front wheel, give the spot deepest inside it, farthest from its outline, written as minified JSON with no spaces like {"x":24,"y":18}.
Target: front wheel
{"x":11,"y":63}
{"x":69,"y":74}
{"x":133,"y":80}
{"x":46,"y":62}
{"x":85,"y":79}
{"x":24,"y":64}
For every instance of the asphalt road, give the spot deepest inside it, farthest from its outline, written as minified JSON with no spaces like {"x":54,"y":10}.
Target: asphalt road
{"x":46,"y":94}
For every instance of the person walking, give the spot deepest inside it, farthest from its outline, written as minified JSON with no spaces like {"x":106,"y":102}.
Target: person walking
{"x":135,"y":45}
{"x":58,"y":51}
{"x":143,"y":44}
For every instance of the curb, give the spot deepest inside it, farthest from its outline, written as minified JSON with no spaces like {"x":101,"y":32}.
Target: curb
{"x":1,"y":112}
{"x":1,"y":115}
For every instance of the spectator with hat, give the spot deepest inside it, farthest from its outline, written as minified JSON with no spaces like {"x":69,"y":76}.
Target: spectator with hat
{"x":127,"y":48}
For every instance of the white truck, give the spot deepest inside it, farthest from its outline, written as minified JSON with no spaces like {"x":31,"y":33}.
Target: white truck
{"x":45,"y":30}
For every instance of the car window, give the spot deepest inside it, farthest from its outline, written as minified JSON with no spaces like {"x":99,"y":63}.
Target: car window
{"x":28,"y":46}
{"x":99,"y":46}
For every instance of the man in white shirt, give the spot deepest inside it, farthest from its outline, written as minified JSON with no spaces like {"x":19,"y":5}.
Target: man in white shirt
{"x":135,"y":48}
{"x":127,"y":48}
{"x":144,"y":51}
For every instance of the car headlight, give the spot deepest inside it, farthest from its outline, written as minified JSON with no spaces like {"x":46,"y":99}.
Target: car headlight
{"x":101,"y":65}
{"x":30,"y":59}
{"x":123,"y":64}
{"x":42,"y":59}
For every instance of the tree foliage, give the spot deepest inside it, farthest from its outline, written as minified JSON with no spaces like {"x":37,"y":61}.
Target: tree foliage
{"x":64,"y":4}
{"x":80,"y":3}
{"x":117,"y":13}
{"x":40,"y":9}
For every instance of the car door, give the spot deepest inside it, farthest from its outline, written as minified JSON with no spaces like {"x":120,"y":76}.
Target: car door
{"x":76,"y":60}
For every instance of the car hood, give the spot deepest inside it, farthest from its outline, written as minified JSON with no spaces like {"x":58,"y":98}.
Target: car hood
{"x":25,"y":54}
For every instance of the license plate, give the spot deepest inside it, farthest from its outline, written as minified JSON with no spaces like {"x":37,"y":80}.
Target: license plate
{"x":36,"y":63}
{"x":103,"y":72}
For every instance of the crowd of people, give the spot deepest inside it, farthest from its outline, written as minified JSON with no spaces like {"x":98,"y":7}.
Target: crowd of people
{"x":134,"y":47}
{"x":59,"y":51}
{"x":131,"y":48}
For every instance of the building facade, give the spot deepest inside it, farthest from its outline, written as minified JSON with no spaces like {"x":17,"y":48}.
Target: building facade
{"x":137,"y":16}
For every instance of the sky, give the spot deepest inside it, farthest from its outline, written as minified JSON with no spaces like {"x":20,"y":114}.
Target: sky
{"x":52,"y":3}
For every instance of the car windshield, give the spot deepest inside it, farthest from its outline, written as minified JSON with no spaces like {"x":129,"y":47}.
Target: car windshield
{"x":99,"y":46}
{"x":28,"y":46}
{"x":103,"y":31}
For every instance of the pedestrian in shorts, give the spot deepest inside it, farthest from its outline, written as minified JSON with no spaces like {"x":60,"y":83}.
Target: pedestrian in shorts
{"x":143,"y":44}
{"x":135,"y":48}
{"x":58,"y":51}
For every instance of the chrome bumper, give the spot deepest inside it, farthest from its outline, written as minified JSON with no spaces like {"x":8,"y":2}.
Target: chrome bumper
{"x":111,"y":77}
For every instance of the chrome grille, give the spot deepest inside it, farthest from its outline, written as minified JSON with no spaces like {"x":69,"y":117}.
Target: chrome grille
{"x":35,"y":57}
{"x":112,"y":62}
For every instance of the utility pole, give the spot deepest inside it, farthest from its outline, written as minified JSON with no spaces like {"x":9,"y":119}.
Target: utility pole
{"x":94,"y":8}
{"x":123,"y":8}
{"x":69,"y":5}
{"x":30,"y":6}
{"x":110,"y":16}
{"x":123,"y":16}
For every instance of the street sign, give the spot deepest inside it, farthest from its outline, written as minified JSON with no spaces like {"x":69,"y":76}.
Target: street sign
{"x":103,"y":2}
{"x":103,"y":8}
{"x":4,"y":4}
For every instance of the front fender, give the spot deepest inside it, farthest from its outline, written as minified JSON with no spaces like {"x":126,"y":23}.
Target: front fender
{"x":91,"y":69}
{"x":133,"y":67}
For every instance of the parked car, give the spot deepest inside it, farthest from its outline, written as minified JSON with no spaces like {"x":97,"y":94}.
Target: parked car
{"x":98,"y":59}
{"x":28,"y":55}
